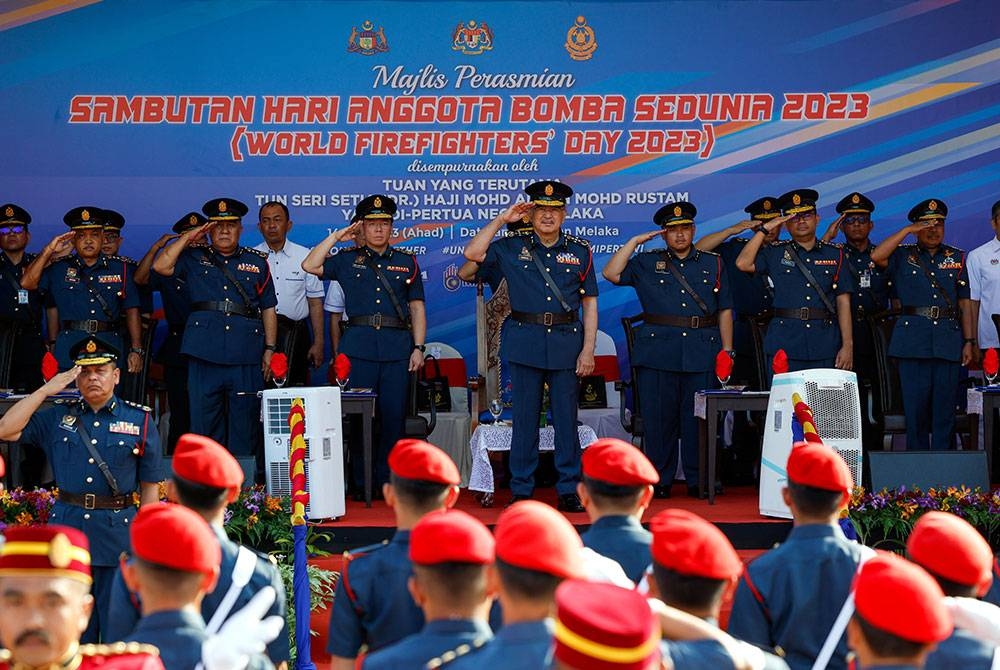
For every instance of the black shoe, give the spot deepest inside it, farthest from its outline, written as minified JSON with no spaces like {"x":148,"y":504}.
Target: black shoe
{"x":693,"y":492}
{"x":661,"y":491}
{"x":517,"y":498}
{"x":570,"y":502}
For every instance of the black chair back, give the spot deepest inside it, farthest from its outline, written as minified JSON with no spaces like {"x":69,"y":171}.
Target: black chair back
{"x":633,"y":425}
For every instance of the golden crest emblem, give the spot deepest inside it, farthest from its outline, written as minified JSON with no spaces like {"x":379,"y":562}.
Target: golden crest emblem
{"x":60,"y":551}
{"x":91,"y":347}
{"x":932,"y":205}
{"x":193,"y":220}
{"x":677,"y":210}
{"x":9,"y":211}
{"x":378,"y":202}
{"x":856,"y":199}
{"x":581,"y":42}
{"x":796,"y":199}
{"x":767,"y":205}
{"x":548,"y":189}
{"x":471,"y":38}
{"x":85,"y":215}
{"x":222,"y":206}
{"x":367,"y":41}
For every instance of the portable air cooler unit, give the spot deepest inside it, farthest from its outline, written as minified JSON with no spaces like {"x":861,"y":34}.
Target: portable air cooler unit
{"x":833,"y":397}
{"x":324,"y":447}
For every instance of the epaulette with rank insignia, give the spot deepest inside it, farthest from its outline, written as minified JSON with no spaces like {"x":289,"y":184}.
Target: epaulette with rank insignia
{"x":100,"y":654}
{"x":710,"y":253}
{"x":458,"y":652}
{"x":402,"y":250}
{"x":144,"y":408}
{"x":524,"y":233}
{"x":124,"y":259}
{"x":578,"y":240}
{"x":254,"y":251}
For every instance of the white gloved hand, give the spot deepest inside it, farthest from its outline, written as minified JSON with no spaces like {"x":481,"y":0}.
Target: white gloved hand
{"x":600,"y":568}
{"x":245,"y":633}
{"x":979,"y":618}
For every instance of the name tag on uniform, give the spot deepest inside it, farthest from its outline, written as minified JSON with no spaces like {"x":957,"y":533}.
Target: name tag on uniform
{"x":109,"y":279}
{"x":829,"y":261}
{"x":248,"y":267}
{"x":124,"y":427}
{"x":22,"y":297}
{"x":950,"y":266}
{"x":397,"y":268}
{"x":567,"y":259}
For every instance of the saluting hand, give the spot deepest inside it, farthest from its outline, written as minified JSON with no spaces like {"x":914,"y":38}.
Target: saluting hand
{"x":61,"y":380}
{"x":60,"y":244}
{"x":197,"y":234}
{"x":348,"y":232}
{"x":515,"y":212}
{"x":642,"y":238}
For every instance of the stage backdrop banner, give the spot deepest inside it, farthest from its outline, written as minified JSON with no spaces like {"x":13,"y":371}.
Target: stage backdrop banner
{"x":151,"y":108}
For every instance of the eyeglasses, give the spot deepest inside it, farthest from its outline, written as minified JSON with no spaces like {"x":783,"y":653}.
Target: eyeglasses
{"x":109,"y":235}
{"x":11,"y":230}
{"x":860,"y":218}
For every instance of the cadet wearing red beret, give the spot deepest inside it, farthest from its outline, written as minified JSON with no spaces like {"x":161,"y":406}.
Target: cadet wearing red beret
{"x":372,"y":604}
{"x":206,"y":477}
{"x":450,"y":551}
{"x":960,"y":560}
{"x":604,"y":627}
{"x":38,"y":566}
{"x":899,"y":613}
{"x":617,"y":487}
{"x":790,"y":596}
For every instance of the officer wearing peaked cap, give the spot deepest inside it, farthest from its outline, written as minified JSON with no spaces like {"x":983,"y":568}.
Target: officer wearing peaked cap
{"x":176,"y":309}
{"x":44,"y":568}
{"x":934,"y":334}
{"x":104,"y":452}
{"x":387,"y":324}
{"x":550,"y":276}
{"x":206,"y":478}
{"x":20,"y":309}
{"x":232,"y":328}
{"x":812,"y":288}
{"x":372,"y":605}
{"x":687,"y":320}
{"x":93,"y":292}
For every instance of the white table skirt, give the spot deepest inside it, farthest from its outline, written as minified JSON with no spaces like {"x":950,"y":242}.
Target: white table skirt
{"x":489,"y":437}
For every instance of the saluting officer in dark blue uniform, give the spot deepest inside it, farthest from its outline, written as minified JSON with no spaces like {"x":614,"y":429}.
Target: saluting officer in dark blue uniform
{"x":176,"y":309}
{"x":231,"y":329}
{"x":931,"y":282}
{"x":92,"y":292}
{"x":550,"y":275}
{"x":387,"y":323}
{"x":752,"y":295}
{"x":20,"y":309}
{"x":687,"y":320}
{"x":812,"y":288}
{"x":103,"y":452}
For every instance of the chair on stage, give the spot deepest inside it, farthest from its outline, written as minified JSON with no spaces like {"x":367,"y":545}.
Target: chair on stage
{"x":606,"y":421}
{"x":491,"y":378}
{"x":8,"y":336}
{"x":888,"y":396}
{"x":452,"y":431}
{"x":132,"y":386}
{"x":631,"y":421}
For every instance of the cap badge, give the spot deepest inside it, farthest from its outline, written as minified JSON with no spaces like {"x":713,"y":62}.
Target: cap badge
{"x":767,"y":205}
{"x":856,"y":199}
{"x":378,"y":202}
{"x":85,"y":215}
{"x":60,"y":551}
{"x":222,"y":205}
{"x":193,"y":220}
{"x":91,"y":347}
{"x":548,"y":189}
{"x":677,"y":211}
{"x":932,"y":205}
{"x":9,"y":211}
{"x":796,"y":199}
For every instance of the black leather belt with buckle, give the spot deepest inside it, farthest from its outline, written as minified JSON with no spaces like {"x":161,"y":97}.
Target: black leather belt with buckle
{"x":93,"y":501}
{"x":681,"y":321}
{"x":804,"y":314}
{"x":91,"y":326}
{"x":932,"y":312}
{"x":545,"y":318}
{"x":224,"y":306}
{"x":377,"y":321}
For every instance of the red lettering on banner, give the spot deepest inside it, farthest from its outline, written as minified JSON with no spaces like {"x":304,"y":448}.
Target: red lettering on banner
{"x":452,"y":143}
{"x":172,"y":109}
{"x":300,"y":109}
{"x":567,"y":109}
{"x":715,"y":107}
{"x":825,"y":106}
{"x":424,"y":109}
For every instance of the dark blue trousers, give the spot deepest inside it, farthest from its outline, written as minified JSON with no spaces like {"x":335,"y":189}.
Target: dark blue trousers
{"x":212,"y":387}
{"x":666,"y":403}
{"x":390,"y":379}
{"x":104,"y":576}
{"x":527,"y":383}
{"x":929,"y":387}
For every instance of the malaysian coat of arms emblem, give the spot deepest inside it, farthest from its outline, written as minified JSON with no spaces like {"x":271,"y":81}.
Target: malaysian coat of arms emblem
{"x":367,"y":41}
{"x":471,"y":38}
{"x":581,"y":42}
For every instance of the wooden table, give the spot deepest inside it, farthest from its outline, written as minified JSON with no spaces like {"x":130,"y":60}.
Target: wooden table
{"x":707,"y":407}
{"x":363,"y":404}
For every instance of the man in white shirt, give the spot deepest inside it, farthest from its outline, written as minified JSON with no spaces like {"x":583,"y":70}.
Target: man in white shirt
{"x":300,"y":294}
{"x":983,"y":265}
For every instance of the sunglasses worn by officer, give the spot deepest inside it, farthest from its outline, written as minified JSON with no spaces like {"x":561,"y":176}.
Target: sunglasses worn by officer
{"x":11,"y":230}
{"x":863,"y":219}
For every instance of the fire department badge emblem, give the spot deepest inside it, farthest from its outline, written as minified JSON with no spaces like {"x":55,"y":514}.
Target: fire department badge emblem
{"x":581,"y":42}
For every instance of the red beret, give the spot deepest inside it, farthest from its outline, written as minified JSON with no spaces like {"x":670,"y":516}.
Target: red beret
{"x":600,"y":626}
{"x":617,"y":462}
{"x":901,"y":598}
{"x":949,"y":547}
{"x":819,"y":466}
{"x":688,"y":544}
{"x":175,"y":537}
{"x":202,"y":460}
{"x":416,"y":459}
{"x":450,"y":536}
{"x":534,"y":536}
{"x":53,"y":551}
